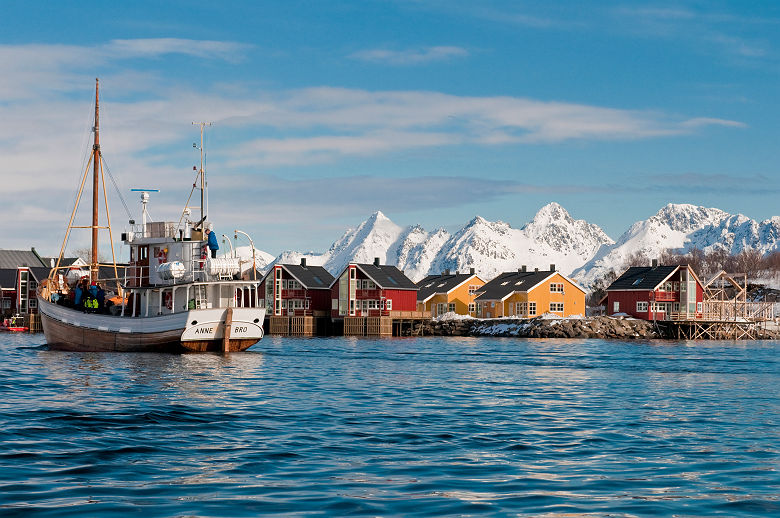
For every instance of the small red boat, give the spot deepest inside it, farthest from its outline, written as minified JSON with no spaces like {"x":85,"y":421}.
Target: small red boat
{"x":14,"y":324}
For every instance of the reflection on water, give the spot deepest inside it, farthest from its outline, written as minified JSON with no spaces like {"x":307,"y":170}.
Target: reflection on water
{"x":424,"y":426}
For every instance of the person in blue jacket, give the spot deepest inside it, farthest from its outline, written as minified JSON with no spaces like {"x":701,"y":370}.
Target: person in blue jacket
{"x":213,"y":245}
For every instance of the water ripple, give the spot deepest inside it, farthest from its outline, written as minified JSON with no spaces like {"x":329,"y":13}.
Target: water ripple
{"x":410,"y":427}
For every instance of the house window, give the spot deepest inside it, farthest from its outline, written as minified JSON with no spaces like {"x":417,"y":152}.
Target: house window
{"x":698,"y":306}
{"x":532,"y":308}
{"x":334,"y":304}
{"x":33,"y":286}
{"x":6,"y":303}
{"x":284,"y":304}
{"x":473,"y":289}
{"x":472,"y":307}
{"x":616,"y":307}
{"x":389,"y":304}
{"x":677,"y":307}
{"x":451,"y":308}
{"x":556,"y":287}
{"x":641,"y":307}
{"x":511,"y":307}
{"x":676,"y":286}
{"x":352,"y":273}
{"x":556,"y":307}
{"x":34,"y":303}
{"x":668,"y":286}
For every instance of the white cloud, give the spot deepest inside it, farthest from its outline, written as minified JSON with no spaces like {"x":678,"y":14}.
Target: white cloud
{"x":411,"y":56}
{"x":46,"y":93}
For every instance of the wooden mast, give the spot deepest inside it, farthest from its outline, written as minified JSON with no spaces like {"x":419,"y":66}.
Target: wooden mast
{"x":93,"y":266}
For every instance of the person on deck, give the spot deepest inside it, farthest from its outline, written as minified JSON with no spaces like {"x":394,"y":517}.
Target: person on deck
{"x":212,"y":242}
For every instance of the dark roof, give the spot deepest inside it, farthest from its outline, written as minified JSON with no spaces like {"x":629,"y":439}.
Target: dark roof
{"x":443,"y":283}
{"x":107,"y":272}
{"x":16,"y":258}
{"x":509,"y":282}
{"x":642,"y":278}
{"x":40,"y":272}
{"x":8,"y":278}
{"x":387,"y":277}
{"x":311,"y":277}
{"x":66,"y":261}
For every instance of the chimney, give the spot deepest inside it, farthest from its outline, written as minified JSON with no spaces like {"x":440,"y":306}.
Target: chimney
{"x":303,"y":262}
{"x":471,"y":271}
{"x":536,"y":269}
{"x":655,"y":263}
{"x":376,"y":261}
{"x":446,"y":271}
{"x":523,"y":268}
{"x":552,"y":267}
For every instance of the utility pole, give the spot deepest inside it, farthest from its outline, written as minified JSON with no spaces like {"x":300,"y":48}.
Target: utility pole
{"x":202,"y":173}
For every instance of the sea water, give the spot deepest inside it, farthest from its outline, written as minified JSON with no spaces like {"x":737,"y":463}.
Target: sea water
{"x":393,"y":427}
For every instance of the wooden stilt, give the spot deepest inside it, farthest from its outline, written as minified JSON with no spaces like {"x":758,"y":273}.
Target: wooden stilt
{"x":228,"y":327}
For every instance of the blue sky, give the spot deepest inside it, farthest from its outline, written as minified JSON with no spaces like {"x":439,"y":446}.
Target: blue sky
{"x":431,"y":111}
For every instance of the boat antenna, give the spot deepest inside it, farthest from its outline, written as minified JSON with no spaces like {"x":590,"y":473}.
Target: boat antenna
{"x":144,"y":211}
{"x":93,"y":265}
{"x":202,"y":173}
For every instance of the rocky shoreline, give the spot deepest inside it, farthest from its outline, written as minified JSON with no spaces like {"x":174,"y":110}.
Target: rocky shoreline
{"x":624,"y":328}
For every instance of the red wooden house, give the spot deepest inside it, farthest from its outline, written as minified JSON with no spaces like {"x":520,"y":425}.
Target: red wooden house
{"x":657,"y":293}
{"x":20,"y":273}
{"x":296,"y":290}
{"x":371,"y":290}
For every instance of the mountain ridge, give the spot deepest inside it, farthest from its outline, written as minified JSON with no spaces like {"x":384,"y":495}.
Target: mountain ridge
{"x":552,"y":237}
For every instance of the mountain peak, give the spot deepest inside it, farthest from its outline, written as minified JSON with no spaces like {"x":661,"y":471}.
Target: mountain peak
{"x":378,"y":216}
{"x":550,"y":213}
{"x":685,"y":217}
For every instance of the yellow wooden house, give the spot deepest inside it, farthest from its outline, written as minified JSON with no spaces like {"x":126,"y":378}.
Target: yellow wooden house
{"x":448,"y":292}
{"x":527,"y":294}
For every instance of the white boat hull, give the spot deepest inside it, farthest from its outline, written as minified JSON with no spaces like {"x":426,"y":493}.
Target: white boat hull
{"x":196,"y":330}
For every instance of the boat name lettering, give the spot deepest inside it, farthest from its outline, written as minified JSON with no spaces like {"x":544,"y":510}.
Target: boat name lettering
{"x":240,"y":329}
{"x":204,"y":330}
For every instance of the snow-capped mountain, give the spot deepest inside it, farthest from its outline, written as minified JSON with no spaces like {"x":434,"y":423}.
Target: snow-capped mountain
{"x":682,"y":227}
{"x":576,"y":247}
{"x":552,"y":237}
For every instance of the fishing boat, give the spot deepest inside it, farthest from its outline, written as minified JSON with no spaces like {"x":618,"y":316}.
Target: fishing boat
{"x":172,"y":295}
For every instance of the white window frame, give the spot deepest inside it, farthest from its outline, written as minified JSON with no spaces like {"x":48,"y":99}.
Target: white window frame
{"x":389,"y":304}
{"x":556,"y":307}
{"x":641,"y":306}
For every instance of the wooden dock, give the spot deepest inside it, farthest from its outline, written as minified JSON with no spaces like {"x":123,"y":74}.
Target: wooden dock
{"x":701,"y":329}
